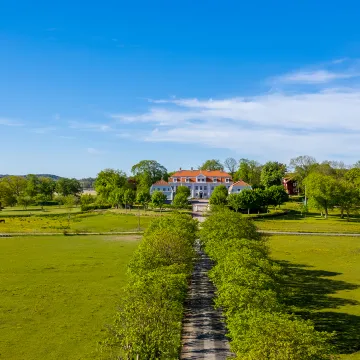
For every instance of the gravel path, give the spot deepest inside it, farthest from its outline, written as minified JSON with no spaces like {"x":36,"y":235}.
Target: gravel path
{"x":203,"y":329}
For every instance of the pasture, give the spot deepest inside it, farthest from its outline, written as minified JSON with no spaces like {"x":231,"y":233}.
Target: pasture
{"x":323,"y":274}
{"x":57,"y":293}
{"x":311,"y":222}
{"x":102,"y":221}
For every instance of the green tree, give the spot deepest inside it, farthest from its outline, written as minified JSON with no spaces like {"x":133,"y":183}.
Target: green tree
{"x":353,"y":176}
{"x":219,"y":196}
{"x":272,"y":173}
{"x":117,"y":197}
{"x":147,"y":172}
{"x":143,"y":197}
{"x":212,"y":164}
{"x":248,"y":171}
{"x":321,"y":190}
{"x":183,"y":190}
{"x":46,"y":187}
{"x":158,"y":199}
{"x":129,"y":197}
{"x":87,"y":199}
{"x":347,"y":197}
{"x":65,"y":187}
{"x":108,"y":180}
{"x":302,"y":166}
{"x":32,"y":186}
{"x":230,"y":165}
{"x":24,"y":200}
{"x":277,"y":195}
{"x":181,"y":201}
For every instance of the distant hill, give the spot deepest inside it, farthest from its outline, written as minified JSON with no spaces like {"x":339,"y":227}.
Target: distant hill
{"x":50,"y":176}
{"x":86,"y":183}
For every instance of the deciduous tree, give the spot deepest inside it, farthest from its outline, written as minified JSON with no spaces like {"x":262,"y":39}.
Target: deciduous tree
{"x":230,"y":165}
{"x":272,"y":173}
{"x":212,"y":164}
{"x":108,"y":180}
{"x":147,"y":172}
{"x":158,"y":199}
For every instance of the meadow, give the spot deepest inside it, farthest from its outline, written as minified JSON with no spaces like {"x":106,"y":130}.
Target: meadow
{"x":57,"y":293}
{"x":101,"y":221}
{"x":323,"y":274}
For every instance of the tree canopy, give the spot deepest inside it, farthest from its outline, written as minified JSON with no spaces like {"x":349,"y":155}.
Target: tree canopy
{"x":272,"y":173}
{"x":212,"y":164}
{"x":148,"y":172}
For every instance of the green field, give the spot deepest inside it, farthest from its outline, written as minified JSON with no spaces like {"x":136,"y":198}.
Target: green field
{"x":105,"y":221}
{"x":324,"y":275}
{"x":312,"y":222}
{"x":37,"y":210}
{"x":57,"y":294}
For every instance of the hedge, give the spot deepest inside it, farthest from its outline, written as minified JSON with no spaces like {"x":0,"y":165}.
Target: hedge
{"x":149,"y":321}
{"x":250,"y":295}
{"x":95,"y":207}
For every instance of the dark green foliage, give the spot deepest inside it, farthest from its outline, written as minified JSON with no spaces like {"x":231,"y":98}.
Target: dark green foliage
{"x":67,"y":187}
{"x":149,"y":321}
{"x":276,"y":195}
{"x":249,"y":293}
{"x":90,"y":207}
{"x":147,"y":172}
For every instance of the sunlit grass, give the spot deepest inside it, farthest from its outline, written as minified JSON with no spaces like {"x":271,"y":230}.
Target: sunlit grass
{"x":58,"y":293}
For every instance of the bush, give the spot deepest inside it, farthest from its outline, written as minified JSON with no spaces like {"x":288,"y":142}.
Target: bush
{"x":95,"y":207}
{"x":149,"y":321}
{"x":249,"y":293}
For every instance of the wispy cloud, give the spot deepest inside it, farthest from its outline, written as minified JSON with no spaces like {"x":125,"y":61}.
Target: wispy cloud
{"x":56,"y":117}
{"x":280,"y":124}
{"x":315,"y":77}
{"x":9,"y":122}
{"x":90,"y":126}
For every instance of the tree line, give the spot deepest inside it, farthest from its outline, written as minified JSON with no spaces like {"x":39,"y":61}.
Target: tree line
{"x":149,"y":321}
{"x":250,"y":294}
{"x":32,"y":189}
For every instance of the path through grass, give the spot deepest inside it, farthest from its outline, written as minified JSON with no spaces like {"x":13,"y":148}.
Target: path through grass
{"x":57,"y":293}
{"x":324,"y":275}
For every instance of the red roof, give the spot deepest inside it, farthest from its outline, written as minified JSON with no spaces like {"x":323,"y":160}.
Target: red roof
{"x":240,"y":183}
{"x":181,"y":175}
{"x":161,"y":182}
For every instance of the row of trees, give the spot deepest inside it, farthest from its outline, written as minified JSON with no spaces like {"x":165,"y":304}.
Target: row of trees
{"x":30,"y":189}
{"x":250,"y":199}
{"x":251,"y":297}
{"x":149,"y":321}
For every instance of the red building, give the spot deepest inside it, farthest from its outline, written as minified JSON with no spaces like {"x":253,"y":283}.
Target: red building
{"x":290,"y":186}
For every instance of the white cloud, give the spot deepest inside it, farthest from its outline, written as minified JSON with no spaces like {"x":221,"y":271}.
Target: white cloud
{"x":89,"y":126}
{"x":9,"y":122}
{"x":277,"y":125}
{"x":56,"y":117}
{"x":315,"y":77}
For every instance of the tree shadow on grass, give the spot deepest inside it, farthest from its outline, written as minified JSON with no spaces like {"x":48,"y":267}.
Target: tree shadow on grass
{"x":309,"y":292}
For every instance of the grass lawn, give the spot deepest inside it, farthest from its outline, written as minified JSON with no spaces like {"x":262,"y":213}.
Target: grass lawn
{"x":57,"y":293}
{"x":36,"y":210}
{"x":86,"y":222}
{"x":311,"y":223}
{"x":324,"y":275}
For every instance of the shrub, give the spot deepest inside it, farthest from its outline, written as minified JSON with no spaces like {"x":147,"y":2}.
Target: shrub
{"x":149,"y":321}
{"x":95,"y":207}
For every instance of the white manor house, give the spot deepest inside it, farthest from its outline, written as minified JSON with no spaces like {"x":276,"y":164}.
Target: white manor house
{"x":200,"y":182}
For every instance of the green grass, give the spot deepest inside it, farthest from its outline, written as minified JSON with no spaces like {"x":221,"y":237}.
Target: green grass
{"x":324,"y":275}
{"x":36,"y":210}
{"x":312,"y":222}
{"x":87,"y":222}
{"x":57,"y":293}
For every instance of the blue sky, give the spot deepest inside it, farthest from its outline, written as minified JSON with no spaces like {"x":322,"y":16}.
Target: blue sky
{"x":84,"y":87}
